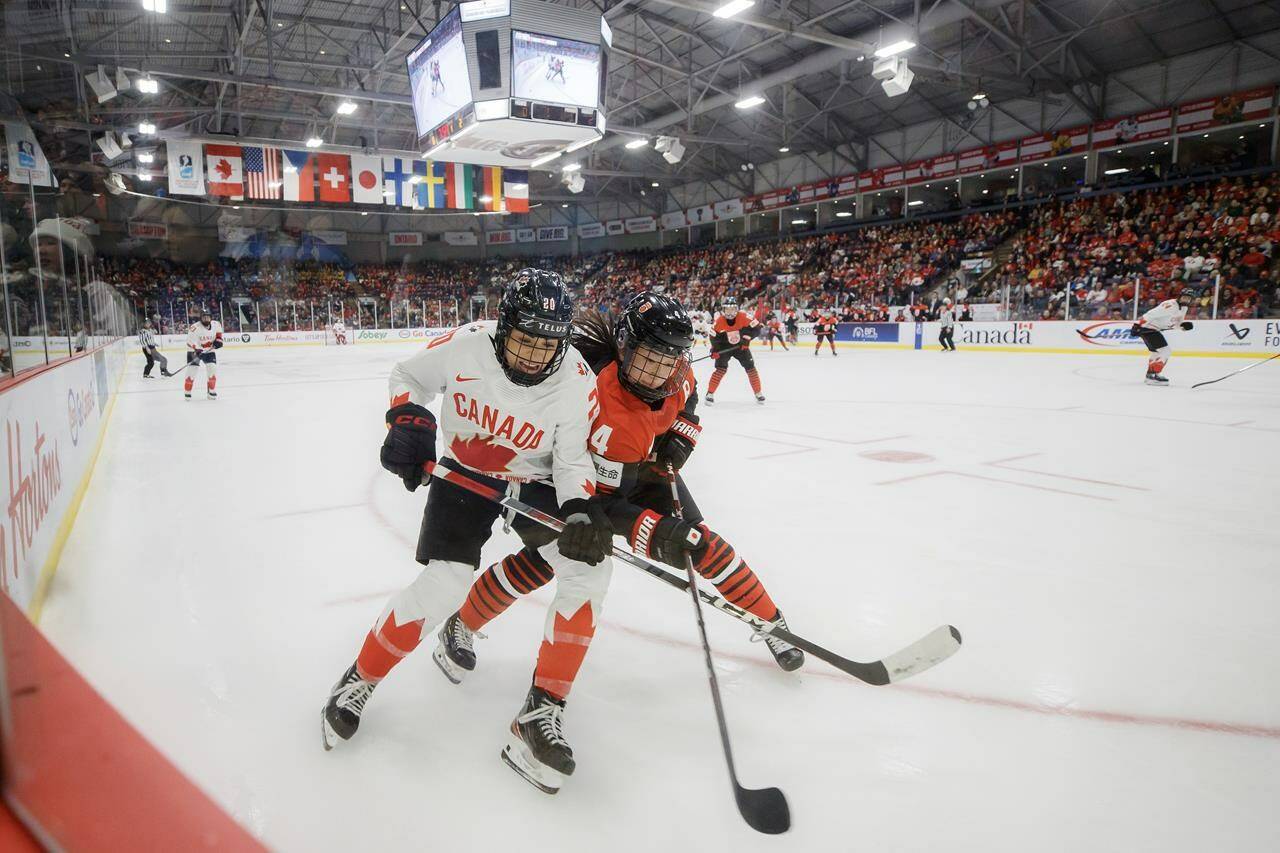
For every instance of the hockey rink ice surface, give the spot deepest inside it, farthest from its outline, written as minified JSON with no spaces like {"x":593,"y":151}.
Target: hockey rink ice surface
{"x":1107,"y":549}
{"x":580,"y":86}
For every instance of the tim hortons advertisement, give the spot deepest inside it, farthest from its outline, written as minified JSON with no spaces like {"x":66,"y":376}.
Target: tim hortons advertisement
{"x":49,"y":424}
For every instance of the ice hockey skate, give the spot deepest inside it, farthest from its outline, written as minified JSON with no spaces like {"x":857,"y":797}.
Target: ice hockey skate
{"x":537,"y":749}
{"x":340,"y":716}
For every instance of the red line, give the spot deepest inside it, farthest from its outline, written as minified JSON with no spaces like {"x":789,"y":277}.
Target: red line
{"x":813,"y":670}
{"x":999,"y":463}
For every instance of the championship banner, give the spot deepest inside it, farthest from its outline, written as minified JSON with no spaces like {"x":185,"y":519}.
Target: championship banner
{"x":461,"y":238}
{"x":27,"y":163}
{"x":674,"y":219}
{"x":590,"y":231}
{"x":1042,"y":146}
{"x":186,"y":167}
{"x":404,"y":238}
{"x":553,"y":232}
{"x":871,"y":180}
{"x":1149,"y":125}
{"x":499,"y":238}
{"x":614,"y":227}
{"x":148,"y":230}
{"x":1225,"y":109}
{"x":976,"y":160}
{"x":912,"y":172}
{"x":891,"y":176}
{"x":700,"y":215}
{"x":644,"y":224}
{"x":330,"y":238}
{"x":1006,"y":154}
{"x":727,"y":209}
{"x":943,"y":166}
{"x":526,"y":235}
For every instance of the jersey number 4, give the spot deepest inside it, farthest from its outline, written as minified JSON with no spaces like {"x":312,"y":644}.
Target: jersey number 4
{"x":600,"y":439}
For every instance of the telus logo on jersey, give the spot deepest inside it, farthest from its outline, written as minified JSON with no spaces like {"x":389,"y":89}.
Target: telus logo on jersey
{"x":1110,"y":334}
{"x":522,"y":434}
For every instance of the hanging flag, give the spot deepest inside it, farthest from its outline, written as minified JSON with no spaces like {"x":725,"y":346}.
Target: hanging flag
{"x":432,"y":188}
{"x":261,"y":172}
{"x":27,"y":163}
{"x":299,"y":175}
{"x":396,"y":181}
{"x":186,"y":167}
{"x":418,"y":186}
{"x":366,"y":179}
{"x":515,"y":186}
{"x":335,"y":177}
{"x":459,"y":186}
{"x":226,"y":175}
{"x":491,"y":188}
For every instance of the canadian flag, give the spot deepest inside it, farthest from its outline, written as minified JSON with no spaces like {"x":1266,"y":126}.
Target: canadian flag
{"x":335,"y":177}
{"x":225,"y":170}
{"x":366,"y":179}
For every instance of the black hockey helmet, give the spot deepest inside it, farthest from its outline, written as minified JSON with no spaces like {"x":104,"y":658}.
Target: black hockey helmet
{"x":653,"y":334}
{"x":536,"y":303}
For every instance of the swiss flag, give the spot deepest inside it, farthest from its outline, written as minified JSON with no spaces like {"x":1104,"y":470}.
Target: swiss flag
{"x":366,"y":179}
{"x":225,"y":170}
{"x":334,"y":171}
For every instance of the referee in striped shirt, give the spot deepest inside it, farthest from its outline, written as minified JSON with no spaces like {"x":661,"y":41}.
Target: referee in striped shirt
{"x":147,"y":337}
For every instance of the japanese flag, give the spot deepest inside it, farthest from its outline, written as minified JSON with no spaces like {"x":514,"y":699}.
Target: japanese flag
{"x":366,"y":179}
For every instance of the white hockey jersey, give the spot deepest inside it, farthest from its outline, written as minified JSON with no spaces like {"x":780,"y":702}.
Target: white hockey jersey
{"x":491,"y":425}
{"x":1165,"y":316}
{"x":200,"y":339}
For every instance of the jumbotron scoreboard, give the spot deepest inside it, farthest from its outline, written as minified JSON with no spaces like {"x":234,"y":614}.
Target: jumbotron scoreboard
{"x":510,"y":82}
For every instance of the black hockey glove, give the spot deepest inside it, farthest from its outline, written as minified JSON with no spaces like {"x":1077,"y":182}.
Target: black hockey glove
{"x":217,"y":344}
{"x":587,"y":536}
{"x":193,"y":357}
{"x":410,"y":443}
{"x":1187,"y":325}
{"x":666,"y":538}
{"x":674,"y":446}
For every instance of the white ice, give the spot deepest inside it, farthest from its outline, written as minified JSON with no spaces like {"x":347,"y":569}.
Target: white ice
{"x":580,"y":86}
{"x":1114,"y":578}
{"x":431,"y":109}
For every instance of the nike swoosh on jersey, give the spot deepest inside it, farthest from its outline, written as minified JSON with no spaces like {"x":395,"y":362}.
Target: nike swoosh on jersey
{"x":461,"y":378}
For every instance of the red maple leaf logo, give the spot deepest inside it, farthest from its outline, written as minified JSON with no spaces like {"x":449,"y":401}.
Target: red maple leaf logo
{"x":588,"y":487}
{"x":481,"y":454}
{"x":223,"y":168}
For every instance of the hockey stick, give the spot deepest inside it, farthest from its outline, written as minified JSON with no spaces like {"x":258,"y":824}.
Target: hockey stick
{"x":715,"y":353}
{"x":1234,"y":372}
{"x":926,"y":652}
{"x":764,"y":809}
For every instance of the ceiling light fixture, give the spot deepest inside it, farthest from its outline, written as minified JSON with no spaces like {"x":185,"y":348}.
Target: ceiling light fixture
{"x":733,"y":7}
{"x":749,"y":102}
{"x":637,"y":143}
{"x":346,"y":108}
{"x":146,"y":128}
{"x":314,"y":142}
{"x":894,"y":49}
{"x":148,"y":85}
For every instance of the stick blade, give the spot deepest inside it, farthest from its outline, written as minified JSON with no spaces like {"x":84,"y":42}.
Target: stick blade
{"x":925,"y":653}
{"x":764,"y":809}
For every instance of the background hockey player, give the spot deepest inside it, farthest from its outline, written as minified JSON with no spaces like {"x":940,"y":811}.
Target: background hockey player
{"x":147,"y":339}
{"x":1151,"y":327}
{"x":646,"y":419}
{"x":947,"y":324}
{"x":731,"y":337}
{"x":773,"y":332}
{"x":825,"y":329}
{"x":204,"y":339}
{"x":517,"y":401}
{"x":339,"y":332}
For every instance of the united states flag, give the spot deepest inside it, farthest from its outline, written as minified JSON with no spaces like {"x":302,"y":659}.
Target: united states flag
{"x":262,"y":172}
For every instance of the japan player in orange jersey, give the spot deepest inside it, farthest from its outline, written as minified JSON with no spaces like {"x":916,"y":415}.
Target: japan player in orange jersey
{"x":731,"y":339}
{"x":647,"y":395}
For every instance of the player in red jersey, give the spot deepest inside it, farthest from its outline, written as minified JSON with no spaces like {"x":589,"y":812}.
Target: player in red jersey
{"x":731,"y":339}
{"x":773,"y":332}
{"x":647,"y":396}
{"x":825,"y":328}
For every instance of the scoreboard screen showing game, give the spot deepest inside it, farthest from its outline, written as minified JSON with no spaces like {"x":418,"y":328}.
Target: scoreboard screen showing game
{"x":553,"y":69}
{"x":438,"y":78}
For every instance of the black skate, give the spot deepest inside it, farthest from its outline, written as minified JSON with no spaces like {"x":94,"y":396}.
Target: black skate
{"x":455,"y":655}
{"x":759,"y":398}
{"x":186,"y":394}
{"x":164,"y":372}
{"x":537,"y":749}
{"x":213,"y":395}
{"x":341,"y":715}
{"x":710,"y":398}
{"x":147,"y":376}
{"x":1156,"y":379}
{"x":788,"y":656}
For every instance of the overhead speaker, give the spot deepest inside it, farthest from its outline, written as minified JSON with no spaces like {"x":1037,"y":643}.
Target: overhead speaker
{"x":101,"y":84}
{"x":111,"y":148}
{"x":900,"y":82}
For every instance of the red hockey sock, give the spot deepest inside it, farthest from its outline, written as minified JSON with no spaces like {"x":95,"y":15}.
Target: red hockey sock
{"x":716,"y":376}
{"x":1155,"y":365}
{"x":491,"y":594}
{"x":385,"y":645}
{"x":213,"y":382}
{"x":560,"y":658}
{"x":754,"y":378}
{"x":186,"y":385}
{"x":735,"y":580}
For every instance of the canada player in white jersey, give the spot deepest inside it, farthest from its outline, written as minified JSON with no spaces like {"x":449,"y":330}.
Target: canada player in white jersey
{"x":517,"y":401}
{"x":339,"y":332}
{"x":204,"y":339}
{"x":1151,"y":327}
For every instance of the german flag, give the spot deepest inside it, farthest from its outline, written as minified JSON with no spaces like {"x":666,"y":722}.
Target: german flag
{"x":491,"y":189}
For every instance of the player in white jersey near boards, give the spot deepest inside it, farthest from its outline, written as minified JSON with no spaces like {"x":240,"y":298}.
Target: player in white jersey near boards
{"x":1151,"y":327}
{"x":204,"y":339}
{"x":517,"y":401}
{"x":339,"y":332}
